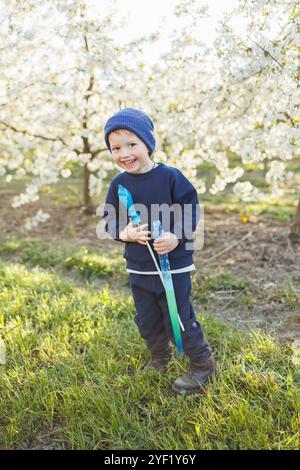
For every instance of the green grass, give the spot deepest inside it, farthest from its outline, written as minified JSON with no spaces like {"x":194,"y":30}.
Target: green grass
{"x":73,"y":356}
{"x":287,"y":294}
{"x":282,"y":209}
{"x":42,"y":253}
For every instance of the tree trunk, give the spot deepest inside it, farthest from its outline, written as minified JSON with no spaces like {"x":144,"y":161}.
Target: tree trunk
{"x":87,"y":200}
{"x":295,"y":228}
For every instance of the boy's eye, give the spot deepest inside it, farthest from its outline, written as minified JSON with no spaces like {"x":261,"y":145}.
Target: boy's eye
{"x":117,"y":148}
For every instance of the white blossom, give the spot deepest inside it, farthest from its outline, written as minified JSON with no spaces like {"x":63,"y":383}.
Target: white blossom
{"x":66,"y":173}
{"x":33,"y":222}
{"x":95,"y":186}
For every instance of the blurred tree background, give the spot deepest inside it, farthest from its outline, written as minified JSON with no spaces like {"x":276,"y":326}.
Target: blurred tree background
{"x":220,"y":81}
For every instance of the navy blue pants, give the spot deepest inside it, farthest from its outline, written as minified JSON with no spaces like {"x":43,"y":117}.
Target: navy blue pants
{"x":153,"y":320}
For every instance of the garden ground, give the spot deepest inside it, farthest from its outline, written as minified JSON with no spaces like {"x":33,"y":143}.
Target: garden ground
{"x":73,"y":354}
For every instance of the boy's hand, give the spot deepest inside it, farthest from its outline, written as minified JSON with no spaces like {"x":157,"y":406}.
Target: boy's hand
{"x":166,"y":243}
{"x":135,"y":234}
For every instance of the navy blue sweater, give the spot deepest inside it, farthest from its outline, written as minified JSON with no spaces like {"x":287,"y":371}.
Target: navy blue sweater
{"x":162,"y":185}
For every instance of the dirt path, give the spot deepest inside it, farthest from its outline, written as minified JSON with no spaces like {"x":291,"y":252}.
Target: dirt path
{"x":262,"y":255}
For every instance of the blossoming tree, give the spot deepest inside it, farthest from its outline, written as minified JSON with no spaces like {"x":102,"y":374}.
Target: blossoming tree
{"x":251,"y":106}
{"x":65,"y":75}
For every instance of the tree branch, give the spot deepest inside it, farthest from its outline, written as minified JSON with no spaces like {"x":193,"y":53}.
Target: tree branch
{"x":96,"y":152}
{"x":39,"y":136}
{"x":266,"y":52}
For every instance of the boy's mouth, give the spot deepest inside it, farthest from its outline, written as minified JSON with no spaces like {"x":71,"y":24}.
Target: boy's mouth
{"x":129,"y":163}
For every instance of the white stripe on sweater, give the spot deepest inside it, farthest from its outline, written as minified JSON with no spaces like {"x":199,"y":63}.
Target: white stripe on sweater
{"x":174,"y":271}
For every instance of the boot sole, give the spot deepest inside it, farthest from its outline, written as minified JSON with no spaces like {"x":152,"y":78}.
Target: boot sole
{"x":146,"y":369}
{"x":194,"y":391}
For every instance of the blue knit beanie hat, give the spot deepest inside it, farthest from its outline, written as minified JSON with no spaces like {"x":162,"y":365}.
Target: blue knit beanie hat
{"x":135,"y":121}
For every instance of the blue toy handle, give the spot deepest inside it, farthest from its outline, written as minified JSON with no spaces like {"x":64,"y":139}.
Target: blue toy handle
{"x":158,"y":232}
{"x":157,"y":229}
{"x":126,"y":199}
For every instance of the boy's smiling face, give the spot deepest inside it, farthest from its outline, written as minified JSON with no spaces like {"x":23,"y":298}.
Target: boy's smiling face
{"x":129,"y":152}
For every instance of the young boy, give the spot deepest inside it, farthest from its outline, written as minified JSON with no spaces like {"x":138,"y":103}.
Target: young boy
{"x":129,"y":136}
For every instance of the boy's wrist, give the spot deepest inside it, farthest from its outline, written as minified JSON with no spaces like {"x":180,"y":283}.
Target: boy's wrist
{"x":122,"y":236}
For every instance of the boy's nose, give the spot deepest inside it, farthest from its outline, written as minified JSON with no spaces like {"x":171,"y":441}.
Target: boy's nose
{"x":125,"y":153}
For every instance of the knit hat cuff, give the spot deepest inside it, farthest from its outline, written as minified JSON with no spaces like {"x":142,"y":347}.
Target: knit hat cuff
{"x":135,"y":121}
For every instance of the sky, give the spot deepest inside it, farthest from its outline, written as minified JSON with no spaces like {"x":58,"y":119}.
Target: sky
{"x":144,"y":16}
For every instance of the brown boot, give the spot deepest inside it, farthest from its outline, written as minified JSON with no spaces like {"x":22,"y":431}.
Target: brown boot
{"x":158,"y":362}
{"x":196,"y":377}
